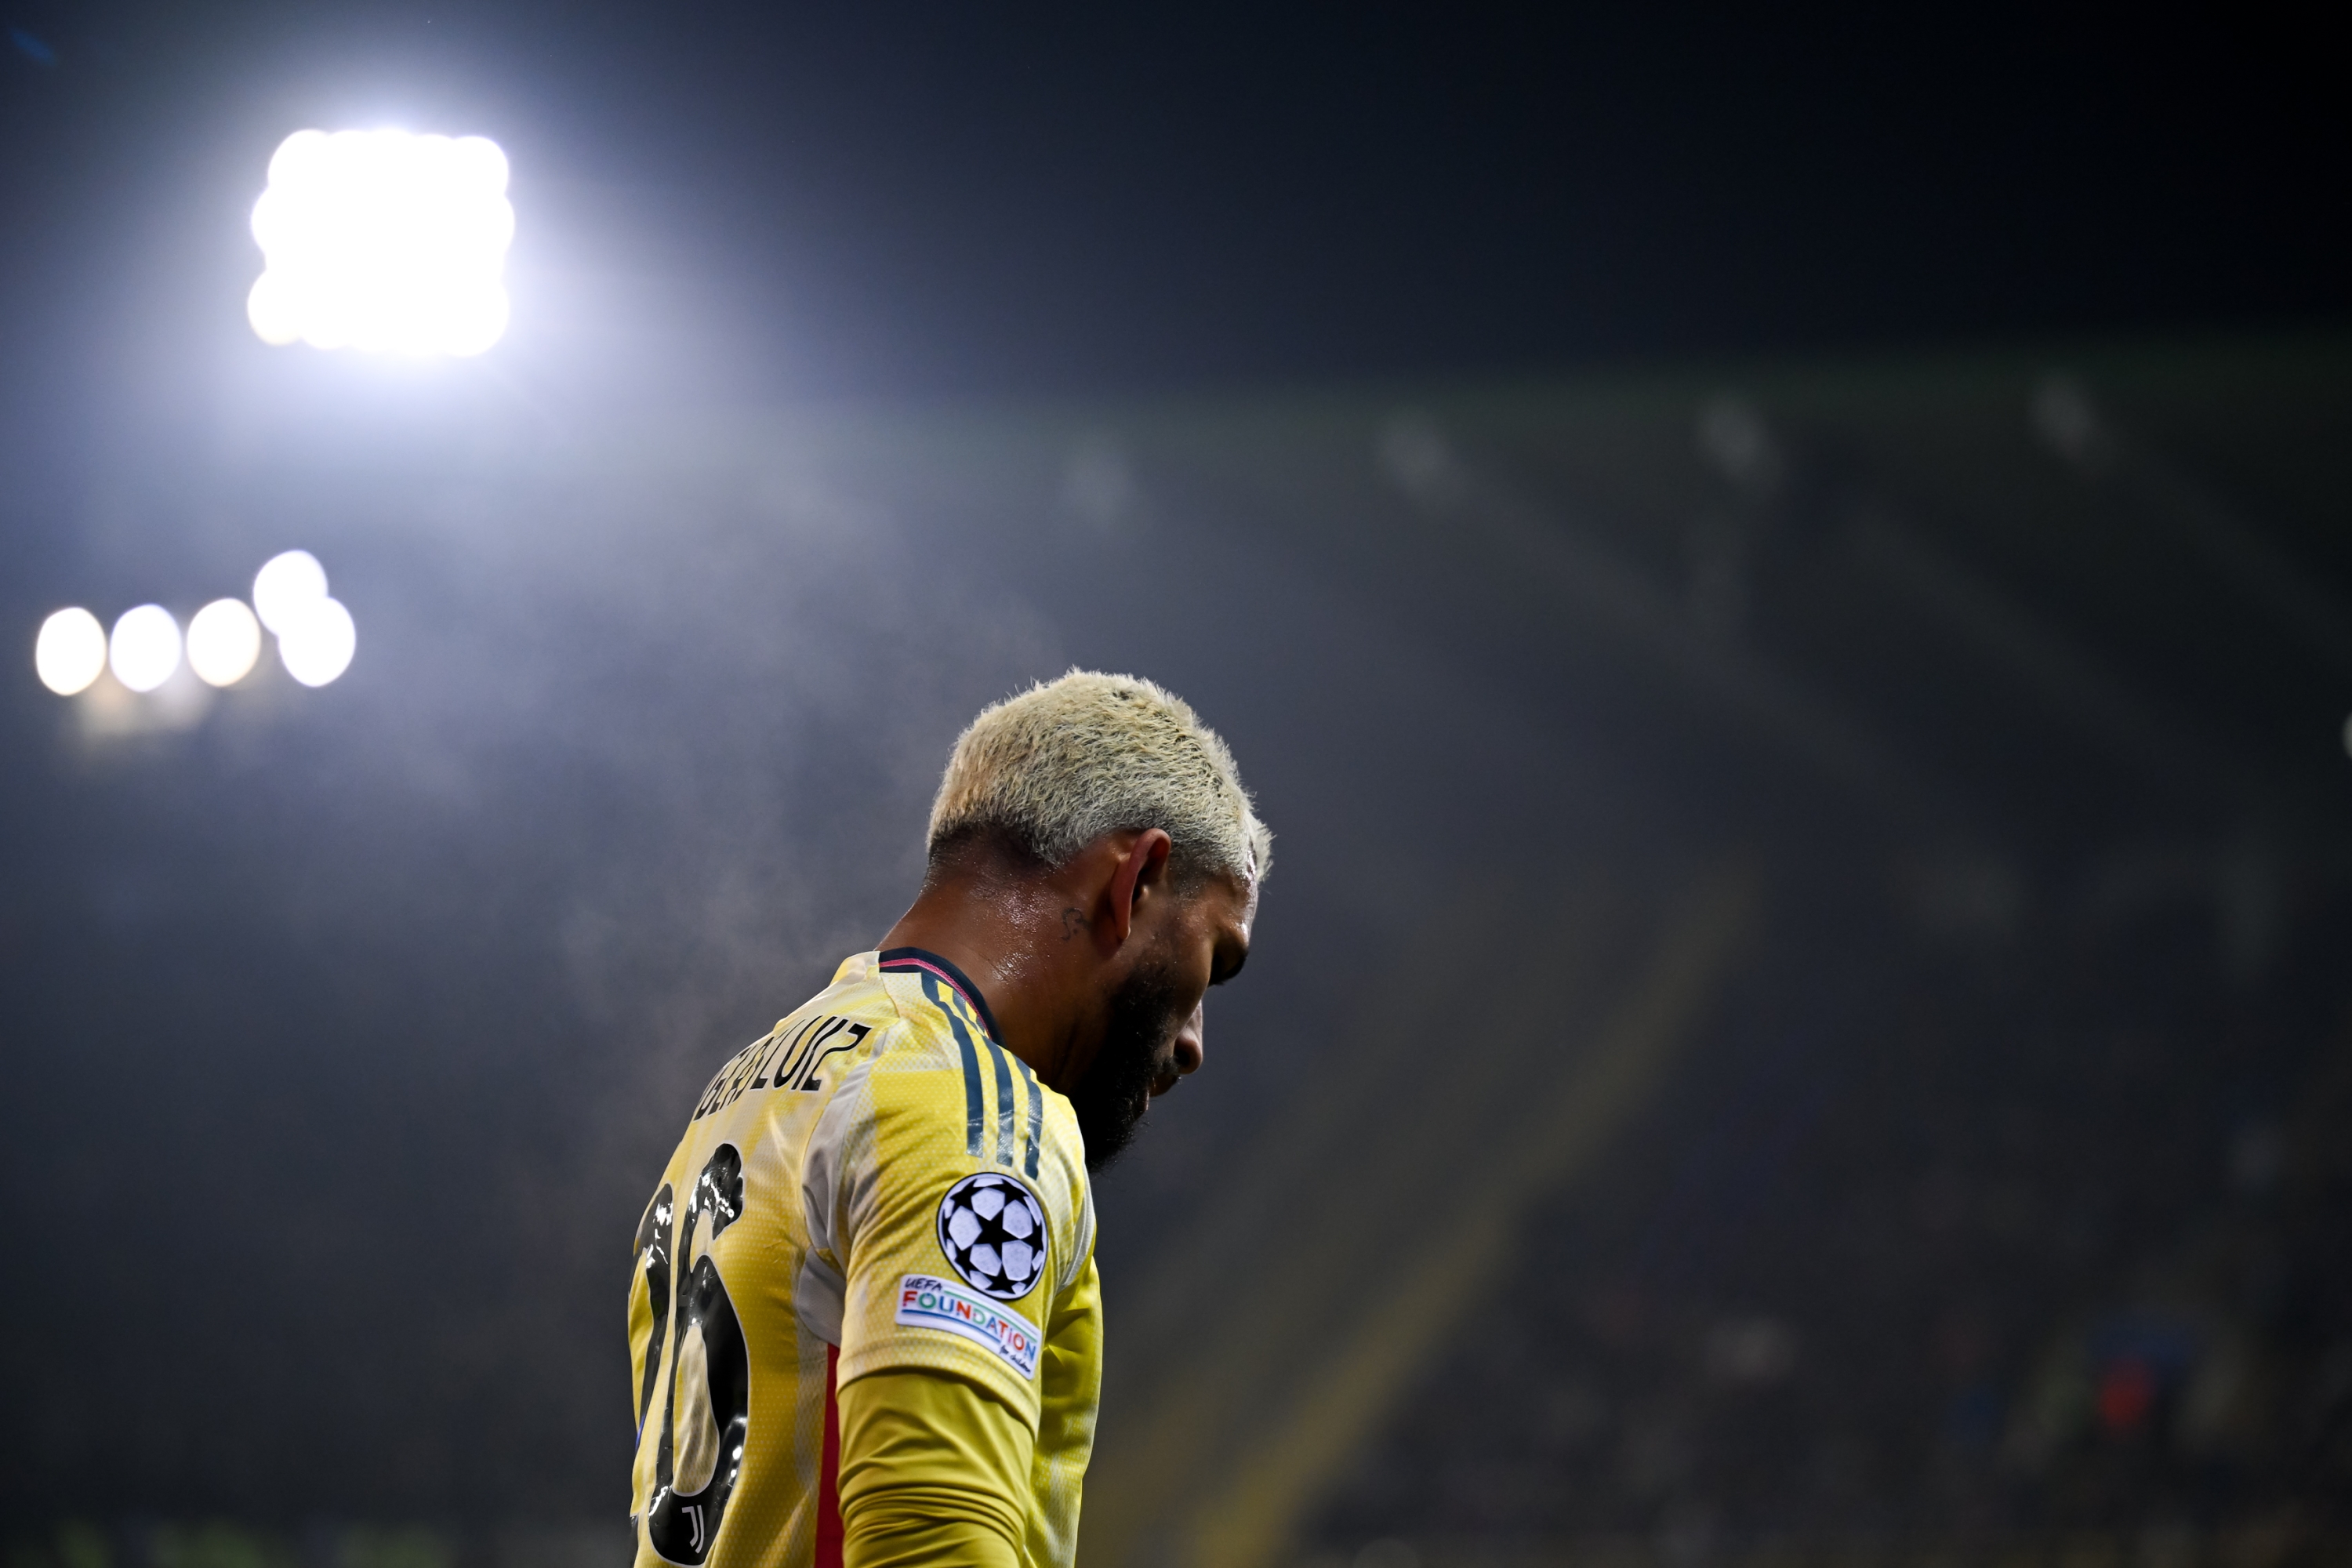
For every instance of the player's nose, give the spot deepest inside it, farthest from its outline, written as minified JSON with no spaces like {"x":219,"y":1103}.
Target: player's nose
{"x":1191,"y":1043}
{"x":1184,"y":1056}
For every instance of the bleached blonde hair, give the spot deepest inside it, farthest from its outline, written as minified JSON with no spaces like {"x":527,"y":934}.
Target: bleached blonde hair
{"x":1052,"y":769}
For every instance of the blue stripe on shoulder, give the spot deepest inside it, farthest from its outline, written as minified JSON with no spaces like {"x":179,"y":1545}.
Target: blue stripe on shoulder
{"x":1003,"y":1104}
{"x":1036,"y":1116}
{"x":974,"y":1115}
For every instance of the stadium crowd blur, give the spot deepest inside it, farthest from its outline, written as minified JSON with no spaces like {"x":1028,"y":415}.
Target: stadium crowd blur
{"x":1994,"y":1239}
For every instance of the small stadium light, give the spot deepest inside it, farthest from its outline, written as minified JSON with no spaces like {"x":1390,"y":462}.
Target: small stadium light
{"x":224,"y":641}
{"x":145,"y":648}
{"x":315,"y":634}
{"x":383,"y":241}
{"x":286,"y":585}
{"x":70,"y":652}
{"x":317,"y":643}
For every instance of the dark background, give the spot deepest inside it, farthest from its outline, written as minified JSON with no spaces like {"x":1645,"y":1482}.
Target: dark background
{"x":912,"y":201}
{"x":344,"y":1031}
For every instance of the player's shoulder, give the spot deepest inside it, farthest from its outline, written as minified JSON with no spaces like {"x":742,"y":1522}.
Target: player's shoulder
{"x":991,"y":1158}
{"x":944,"y":1081}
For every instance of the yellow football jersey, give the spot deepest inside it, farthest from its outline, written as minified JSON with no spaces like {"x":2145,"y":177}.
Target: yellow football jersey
{"x":874,"y":1185}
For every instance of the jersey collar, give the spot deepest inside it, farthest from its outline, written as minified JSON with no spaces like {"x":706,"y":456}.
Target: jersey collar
{"x":905,"y":960}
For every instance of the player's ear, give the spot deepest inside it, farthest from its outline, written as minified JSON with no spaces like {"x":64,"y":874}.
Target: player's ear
{"x":1141,"y":874}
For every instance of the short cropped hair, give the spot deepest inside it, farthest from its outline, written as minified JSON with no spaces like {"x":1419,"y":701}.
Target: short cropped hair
{"x":1047,"y":772}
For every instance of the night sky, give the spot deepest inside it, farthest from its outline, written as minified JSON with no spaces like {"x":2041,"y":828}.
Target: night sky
{"x":891,"y":200}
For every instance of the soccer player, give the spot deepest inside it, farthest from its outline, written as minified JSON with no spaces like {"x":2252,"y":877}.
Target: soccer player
{"x":865,"y":1326}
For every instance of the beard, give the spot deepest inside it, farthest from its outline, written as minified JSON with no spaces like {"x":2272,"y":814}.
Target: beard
{"x":1137,"y":1051}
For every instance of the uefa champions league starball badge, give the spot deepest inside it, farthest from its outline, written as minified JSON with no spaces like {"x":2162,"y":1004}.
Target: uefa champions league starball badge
{"x":994,"y":1233}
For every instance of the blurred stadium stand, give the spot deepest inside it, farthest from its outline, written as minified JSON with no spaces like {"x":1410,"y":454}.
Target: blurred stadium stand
{"x":1898,"y":1115}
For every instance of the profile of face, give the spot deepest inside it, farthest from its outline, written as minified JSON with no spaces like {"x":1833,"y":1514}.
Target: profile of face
{"x":1154,"y":1033}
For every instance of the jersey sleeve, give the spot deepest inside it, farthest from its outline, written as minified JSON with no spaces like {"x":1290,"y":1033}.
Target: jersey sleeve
{"x":932,"y":1470}
{"x":956,"y":1213}
{"x":1071,"y":1384}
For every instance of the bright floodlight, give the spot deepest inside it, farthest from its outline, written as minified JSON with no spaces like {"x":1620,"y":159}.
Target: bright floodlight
{"x":317,"y":644}
{"x":70,"y":651}
{"x":382,"y":241}
{"x":224,"y":639}
{"x":287,"y":585}
{"x":146,"y":647}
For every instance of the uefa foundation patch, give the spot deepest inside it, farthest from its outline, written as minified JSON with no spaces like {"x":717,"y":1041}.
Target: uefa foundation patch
{"x":927,"y":1302}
